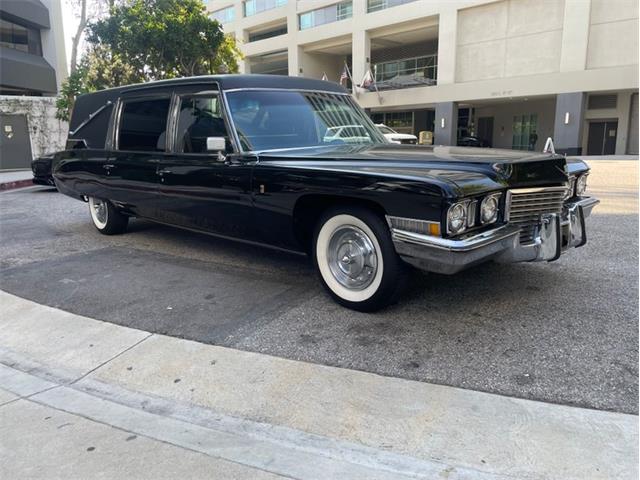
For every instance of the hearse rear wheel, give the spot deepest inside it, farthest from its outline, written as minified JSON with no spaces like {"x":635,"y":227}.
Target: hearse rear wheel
{"x":354,"y":254}
{"x":106,"y":218}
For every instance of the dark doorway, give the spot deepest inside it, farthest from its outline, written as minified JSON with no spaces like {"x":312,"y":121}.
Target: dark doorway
{"x":602,"y":138}
{"x":485,"y":130}
{"x":15,"y":147}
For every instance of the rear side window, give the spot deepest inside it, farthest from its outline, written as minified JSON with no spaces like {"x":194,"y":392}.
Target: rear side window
{"x":143,"y":125}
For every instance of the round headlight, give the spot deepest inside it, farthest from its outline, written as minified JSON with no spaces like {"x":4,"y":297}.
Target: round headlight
{"x":489,"y":209}
{"x":581,"y":185}
{"x":457,"y":218}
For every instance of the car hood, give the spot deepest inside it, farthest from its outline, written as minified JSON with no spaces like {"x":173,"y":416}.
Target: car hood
{"x":464,"y":170}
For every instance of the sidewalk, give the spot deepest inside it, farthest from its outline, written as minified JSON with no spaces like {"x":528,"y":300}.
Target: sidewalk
{"x":84,"y":398}
{"x":15,"y":179}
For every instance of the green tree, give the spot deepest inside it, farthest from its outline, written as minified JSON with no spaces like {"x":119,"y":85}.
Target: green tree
{"x":73,"y":86}
{"x":166,"y":38}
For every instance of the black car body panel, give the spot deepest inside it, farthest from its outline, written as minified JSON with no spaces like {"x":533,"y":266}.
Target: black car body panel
{"x":268,"y":196}
{"x":42,"y":170}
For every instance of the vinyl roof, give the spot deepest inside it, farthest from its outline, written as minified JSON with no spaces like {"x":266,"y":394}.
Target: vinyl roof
{"x":233,"y":81}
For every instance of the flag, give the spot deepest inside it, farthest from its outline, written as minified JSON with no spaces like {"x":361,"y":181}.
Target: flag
{"x":324,"y":77}
{"x":344,"y":76}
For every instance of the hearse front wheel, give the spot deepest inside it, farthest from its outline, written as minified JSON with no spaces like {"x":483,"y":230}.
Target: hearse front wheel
{"x":106,"y":218}
{"x":354,"y":254}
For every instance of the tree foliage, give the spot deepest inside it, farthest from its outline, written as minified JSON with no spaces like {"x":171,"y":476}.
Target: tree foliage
{"x":166,"y":38}
{"x":143,"y":40}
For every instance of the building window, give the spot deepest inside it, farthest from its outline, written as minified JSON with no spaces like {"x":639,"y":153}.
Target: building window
{"x":375,"y":5}
{"x":330,"y":14}
{"x":225,"y":15}
{"x":525,"y":130}
{"x":254,"y":37}
{"x":143,"y":125}
{"x":345,"y":10}
{"x":251,"y":7}
{"x":19,"y":37}
{"x":424,"y":67}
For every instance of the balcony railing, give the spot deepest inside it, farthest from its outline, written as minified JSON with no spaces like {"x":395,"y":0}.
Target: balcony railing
{"x":407,"y":72}
{"x":375,"y":5}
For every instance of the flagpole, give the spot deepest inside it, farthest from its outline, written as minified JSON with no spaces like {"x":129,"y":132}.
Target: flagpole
{"x":353,"y":84}
{"x":375,"y":85}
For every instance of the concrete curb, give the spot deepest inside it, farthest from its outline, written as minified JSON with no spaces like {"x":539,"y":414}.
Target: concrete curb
{"x":297,"y":419}
{"x":16,"y":184}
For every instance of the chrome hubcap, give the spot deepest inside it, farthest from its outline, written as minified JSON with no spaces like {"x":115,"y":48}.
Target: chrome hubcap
{"x":352,"y":258}
{"x":99,"y":210}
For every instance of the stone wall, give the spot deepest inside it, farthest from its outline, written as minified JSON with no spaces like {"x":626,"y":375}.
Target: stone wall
{"x":47,"y":133}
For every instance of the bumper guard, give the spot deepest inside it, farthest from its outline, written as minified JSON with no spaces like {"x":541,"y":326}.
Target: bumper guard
{"x":555,"y":234}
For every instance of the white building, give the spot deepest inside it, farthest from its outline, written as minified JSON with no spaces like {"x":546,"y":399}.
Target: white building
{"x":499,"y":70}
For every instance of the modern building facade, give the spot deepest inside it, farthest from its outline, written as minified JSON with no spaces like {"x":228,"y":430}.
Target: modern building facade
{"x":511,"y":72}
{"x":33,"y":65}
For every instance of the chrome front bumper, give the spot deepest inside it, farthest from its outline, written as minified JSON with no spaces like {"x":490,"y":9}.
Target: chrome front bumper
{"x":555,"y":235}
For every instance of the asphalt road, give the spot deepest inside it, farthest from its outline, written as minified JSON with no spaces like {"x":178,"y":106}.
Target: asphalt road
{"x":564,"y":332}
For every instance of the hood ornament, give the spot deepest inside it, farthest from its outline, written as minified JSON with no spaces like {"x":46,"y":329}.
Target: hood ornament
{"x":548,"y":146}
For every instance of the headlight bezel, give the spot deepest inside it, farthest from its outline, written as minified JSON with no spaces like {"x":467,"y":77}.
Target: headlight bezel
{"x":472,"y":209}
{"x":494,"y":197}
{"x":463,"y":206}
{"x":581,"y":181}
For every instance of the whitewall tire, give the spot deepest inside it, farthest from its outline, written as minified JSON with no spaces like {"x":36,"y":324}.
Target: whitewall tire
{"x":106,"y":218}
{"x":355,"y":258}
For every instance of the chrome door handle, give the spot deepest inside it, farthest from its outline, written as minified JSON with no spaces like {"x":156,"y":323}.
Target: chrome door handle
{"x":163,"y":171}
{"x":108,"y":166}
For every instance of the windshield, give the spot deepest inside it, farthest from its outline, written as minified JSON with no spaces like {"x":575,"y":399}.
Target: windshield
{"x":269,"y":120}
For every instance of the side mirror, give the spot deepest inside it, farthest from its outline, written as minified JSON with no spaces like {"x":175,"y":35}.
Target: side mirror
{"x":216,"y":144}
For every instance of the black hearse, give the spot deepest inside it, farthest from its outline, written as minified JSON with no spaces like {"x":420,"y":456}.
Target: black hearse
{"x":252,"y":157}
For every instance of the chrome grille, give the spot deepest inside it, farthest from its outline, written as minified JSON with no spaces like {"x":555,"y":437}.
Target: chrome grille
{"x":526,"y":205}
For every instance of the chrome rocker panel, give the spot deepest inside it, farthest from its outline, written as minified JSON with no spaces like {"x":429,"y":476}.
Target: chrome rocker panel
{"x":554,"y":236}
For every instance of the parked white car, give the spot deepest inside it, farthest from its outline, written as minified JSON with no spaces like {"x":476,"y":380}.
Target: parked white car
{"x":394,"y":137}
{"x":347,"y":134}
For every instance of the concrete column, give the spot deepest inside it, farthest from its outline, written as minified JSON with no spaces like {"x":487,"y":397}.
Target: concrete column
{"x":361,"y":54}
{"x":624,"y":115}
{"x":569,"y":119}
{"x":575,"y":35}
{"x":446,"y":124}
{"x":294,"y":52}
{"x":242,"y":37}
{"x":447,"y":41}
{"x":295,"y":61}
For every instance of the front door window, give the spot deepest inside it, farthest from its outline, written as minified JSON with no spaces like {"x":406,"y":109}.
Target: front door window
{"x":200,"y":117}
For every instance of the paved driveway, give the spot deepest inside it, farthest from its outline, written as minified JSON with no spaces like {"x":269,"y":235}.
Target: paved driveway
{"x":565,"y":332}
